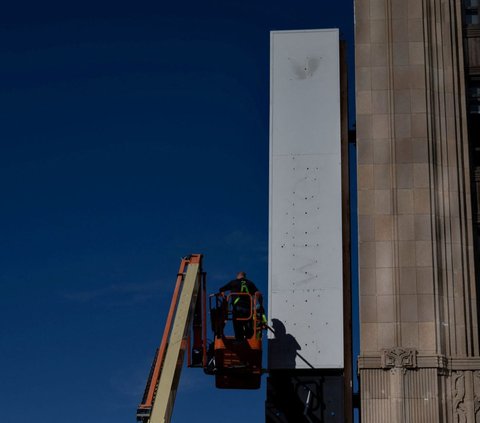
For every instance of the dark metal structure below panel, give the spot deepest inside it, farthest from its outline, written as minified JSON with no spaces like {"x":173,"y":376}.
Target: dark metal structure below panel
{"x":309,"y":396}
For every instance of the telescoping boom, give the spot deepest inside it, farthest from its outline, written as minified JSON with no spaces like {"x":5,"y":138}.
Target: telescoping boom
{"x":159,"y":397}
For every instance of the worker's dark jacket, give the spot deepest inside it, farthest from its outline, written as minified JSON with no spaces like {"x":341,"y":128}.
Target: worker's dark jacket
{"x":236,"y":286}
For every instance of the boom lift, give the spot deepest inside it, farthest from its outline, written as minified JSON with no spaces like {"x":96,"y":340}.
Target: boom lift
{"x":235,"y":364}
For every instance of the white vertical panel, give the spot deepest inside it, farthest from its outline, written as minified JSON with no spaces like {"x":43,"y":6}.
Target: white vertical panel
{"x":305,"y":240}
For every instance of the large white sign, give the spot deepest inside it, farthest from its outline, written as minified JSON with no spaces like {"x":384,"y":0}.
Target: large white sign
{"x":305,"y":240}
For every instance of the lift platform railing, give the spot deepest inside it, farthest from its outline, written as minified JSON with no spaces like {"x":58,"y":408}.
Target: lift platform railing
{"x":222,"y":310}
{"x":236,"y":297}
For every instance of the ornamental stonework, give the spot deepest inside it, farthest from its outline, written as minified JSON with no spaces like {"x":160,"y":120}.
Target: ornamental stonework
{"x":399,"y":358}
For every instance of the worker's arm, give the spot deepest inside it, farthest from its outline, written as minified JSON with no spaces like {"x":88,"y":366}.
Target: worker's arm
{"x":227,"y":287}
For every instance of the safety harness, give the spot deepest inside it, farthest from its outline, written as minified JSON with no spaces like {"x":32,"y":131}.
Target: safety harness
{"x":243,"y":290}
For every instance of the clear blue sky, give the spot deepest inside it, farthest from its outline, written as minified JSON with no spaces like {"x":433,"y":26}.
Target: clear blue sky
{"x":132,"y":133}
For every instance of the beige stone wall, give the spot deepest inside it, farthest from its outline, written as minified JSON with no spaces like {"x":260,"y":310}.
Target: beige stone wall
{"x":417,"y":287}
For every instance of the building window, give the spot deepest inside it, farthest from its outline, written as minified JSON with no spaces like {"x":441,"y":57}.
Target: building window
{"x":474,"y":97}
{"x":472,"y":12}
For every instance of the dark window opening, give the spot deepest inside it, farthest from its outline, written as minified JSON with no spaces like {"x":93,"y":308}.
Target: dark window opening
{"x":471,"y":12}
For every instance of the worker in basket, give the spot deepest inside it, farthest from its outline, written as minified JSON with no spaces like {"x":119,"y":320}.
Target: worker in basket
{"x":242,"y":305}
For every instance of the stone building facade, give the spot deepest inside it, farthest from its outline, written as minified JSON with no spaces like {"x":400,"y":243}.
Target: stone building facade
{"x":416,"y":64}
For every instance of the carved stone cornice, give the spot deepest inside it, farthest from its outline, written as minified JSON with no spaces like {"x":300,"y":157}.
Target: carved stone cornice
{"x":473,"y":70}
{"x":389,"y":357}
{"x":464,"y":363}
{"x":476,"y":174}
{"x":472,"y":32}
